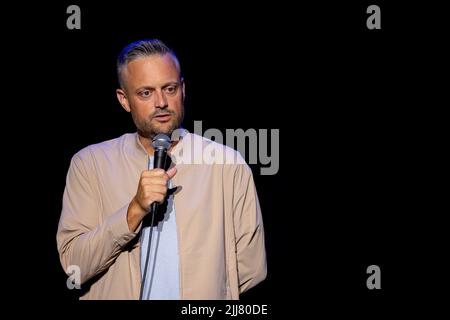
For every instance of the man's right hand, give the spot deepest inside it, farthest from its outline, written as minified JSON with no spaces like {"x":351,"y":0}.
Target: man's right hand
{"x":152,"y":187}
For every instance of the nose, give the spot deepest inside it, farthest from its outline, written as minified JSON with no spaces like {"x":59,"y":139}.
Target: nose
{"x":160,"y":99}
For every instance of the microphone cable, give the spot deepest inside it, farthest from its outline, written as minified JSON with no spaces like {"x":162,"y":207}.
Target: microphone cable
{"x":152,"y":212}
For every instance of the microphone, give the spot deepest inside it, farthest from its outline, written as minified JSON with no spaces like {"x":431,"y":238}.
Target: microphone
{"x":160,"y":144}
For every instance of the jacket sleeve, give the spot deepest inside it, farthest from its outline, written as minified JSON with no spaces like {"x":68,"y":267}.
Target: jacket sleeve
{"x":83,"y":239}
{"x":249,"y":231}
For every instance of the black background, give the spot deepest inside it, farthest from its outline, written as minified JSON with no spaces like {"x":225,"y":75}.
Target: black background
{"x":350,"y":104}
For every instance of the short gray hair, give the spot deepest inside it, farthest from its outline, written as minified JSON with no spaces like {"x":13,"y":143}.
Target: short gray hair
{"x":139,"y":49}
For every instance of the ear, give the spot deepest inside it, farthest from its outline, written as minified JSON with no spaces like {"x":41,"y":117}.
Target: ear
{"x":183,"y":88}
{"x":123,"y":100}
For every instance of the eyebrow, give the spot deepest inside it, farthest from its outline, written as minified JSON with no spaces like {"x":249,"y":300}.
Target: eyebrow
{"x":163,"y":86}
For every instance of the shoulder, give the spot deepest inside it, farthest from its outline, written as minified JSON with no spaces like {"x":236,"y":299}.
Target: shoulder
{"x":102,"y":150}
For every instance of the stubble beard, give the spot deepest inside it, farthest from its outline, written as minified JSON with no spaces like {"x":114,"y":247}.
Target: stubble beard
{"x":147,"y":129}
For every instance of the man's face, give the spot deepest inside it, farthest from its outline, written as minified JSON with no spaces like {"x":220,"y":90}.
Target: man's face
{"x":154,"y":94}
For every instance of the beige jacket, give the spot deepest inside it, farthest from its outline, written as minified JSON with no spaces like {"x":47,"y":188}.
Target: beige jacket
{"x":219,"y":223}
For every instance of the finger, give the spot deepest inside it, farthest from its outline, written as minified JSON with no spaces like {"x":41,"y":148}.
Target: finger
{"x":153,"y":173}
{"x":171,"y":172}
{"x":155,"y":188}
{"x":154,"y":180}
{"x":159,"y":198}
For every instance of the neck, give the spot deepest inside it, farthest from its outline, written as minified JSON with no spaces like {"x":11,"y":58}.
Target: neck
{"x":147,"y":144}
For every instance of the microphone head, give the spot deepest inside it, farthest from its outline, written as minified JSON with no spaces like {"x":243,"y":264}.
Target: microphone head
{"x":161,"y":141}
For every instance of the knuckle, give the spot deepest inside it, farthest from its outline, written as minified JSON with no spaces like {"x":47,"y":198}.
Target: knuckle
{"x":145,"y":173}
{"x":158,"y":171}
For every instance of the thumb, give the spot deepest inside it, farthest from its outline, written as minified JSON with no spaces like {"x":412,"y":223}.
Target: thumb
{"x":171,"y":172}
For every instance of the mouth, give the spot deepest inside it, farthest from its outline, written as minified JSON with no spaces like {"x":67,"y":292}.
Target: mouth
{"x":163,"y":117}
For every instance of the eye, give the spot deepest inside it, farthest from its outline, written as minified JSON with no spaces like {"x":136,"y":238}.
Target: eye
{"x":172,"y":89}
{"x":145,"y":93}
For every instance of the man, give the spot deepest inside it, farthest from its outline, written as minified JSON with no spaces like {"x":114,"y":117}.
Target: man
{"x":207,"y":241}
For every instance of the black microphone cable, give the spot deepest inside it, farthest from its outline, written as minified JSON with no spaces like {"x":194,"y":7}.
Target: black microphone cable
{"x":152,"y":212}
